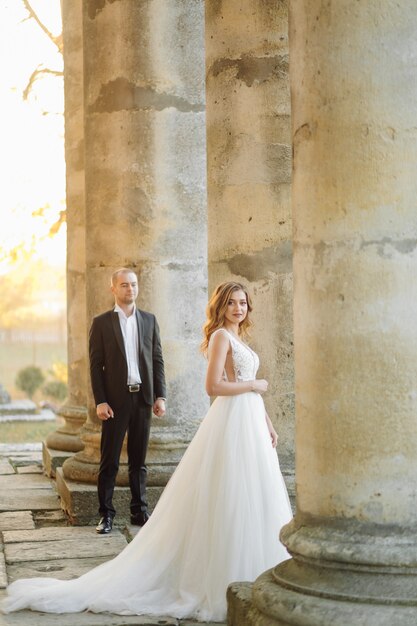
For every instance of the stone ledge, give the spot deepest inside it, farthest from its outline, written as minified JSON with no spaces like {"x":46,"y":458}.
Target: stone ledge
{"x":49,"y":533}
{"x":19,"y":448}
{"x":28,"y":499}
{"x":13,"y":483}
{"x":16,"y":520}
{"x":29,"y":469}
{"x":87,"y":546}
{"x":79,"y":500}
{"x":64,"y":569}
{"x":43,"y":415}
{"x":6,"y":468}
{"x":52,"y":459}
{"x":23,"y":407}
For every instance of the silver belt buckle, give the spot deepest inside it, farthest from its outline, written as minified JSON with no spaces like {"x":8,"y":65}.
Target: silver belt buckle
{"x":133,"y":388}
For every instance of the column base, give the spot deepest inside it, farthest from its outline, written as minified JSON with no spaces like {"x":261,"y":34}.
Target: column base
{"x":67,"y":436}
{"x":64,"y":441}
{"x":342,"y":573}
{"x":80,"y":502}
{"x":273,"y":605}
{"x":52,"y":459}
{"x":165,"y":450}
{"x":77,"y":479}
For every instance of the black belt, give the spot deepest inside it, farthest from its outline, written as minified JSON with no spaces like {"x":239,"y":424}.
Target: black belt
{"x":134,"y":388}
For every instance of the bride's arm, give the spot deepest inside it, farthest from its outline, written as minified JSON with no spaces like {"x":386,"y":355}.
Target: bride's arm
{"x":272,"y":431}
{"x":215,"y":385}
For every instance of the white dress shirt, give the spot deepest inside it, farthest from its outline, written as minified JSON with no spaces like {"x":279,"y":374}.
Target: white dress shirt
{"x":129,"y":328}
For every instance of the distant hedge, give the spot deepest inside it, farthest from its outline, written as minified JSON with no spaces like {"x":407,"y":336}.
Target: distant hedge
{"x":55,"y":389}
{"x":29,"y":379}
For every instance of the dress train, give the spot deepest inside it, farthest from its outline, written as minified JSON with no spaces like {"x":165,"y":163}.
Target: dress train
{"x":217,"y":521}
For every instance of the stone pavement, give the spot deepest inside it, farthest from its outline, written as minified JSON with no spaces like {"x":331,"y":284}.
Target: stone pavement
{"x":37,"y":540}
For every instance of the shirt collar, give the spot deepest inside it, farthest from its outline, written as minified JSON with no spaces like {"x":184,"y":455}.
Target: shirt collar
{"x":120,"y":311}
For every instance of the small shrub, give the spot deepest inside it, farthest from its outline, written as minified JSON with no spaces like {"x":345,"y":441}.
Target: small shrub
{"x":29,"y":379}
{"x":55,"y":389}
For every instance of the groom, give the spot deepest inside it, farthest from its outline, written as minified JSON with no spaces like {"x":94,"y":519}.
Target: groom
{"x":128,"y":381}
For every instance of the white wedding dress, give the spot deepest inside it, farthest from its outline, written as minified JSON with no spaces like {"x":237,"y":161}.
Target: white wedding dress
{"x":217,"y":522}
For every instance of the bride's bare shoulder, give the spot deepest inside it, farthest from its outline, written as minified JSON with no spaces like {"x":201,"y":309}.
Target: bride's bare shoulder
{"x":220,"y":337}
{"x":220,"y":331}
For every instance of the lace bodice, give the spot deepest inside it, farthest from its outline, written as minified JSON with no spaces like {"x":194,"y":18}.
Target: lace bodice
{"x":245,"y":360}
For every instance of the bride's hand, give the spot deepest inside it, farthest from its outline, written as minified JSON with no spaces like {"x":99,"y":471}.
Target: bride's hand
{"x":274,"y":437}
{"x":260,"y":386}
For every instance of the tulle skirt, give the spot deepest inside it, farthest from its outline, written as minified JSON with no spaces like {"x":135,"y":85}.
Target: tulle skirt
{"x":217,"y":521}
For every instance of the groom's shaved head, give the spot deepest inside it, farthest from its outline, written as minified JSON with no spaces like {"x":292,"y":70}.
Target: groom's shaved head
{"x":121,"y":270}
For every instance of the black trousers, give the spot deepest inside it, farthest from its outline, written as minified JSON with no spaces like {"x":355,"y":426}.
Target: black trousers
{"x":135,"y":419}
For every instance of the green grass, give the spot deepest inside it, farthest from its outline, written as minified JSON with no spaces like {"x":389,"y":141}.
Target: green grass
{"x":15,"y":356}
{"x":26,"y":432}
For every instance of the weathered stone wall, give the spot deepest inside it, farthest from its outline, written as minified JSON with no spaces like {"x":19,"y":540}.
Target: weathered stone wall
{"x":249,"y":174}
{"x":75,"y":200}
{"x":145,"y":171}
{"x":355,"y":238}
{"x":74,"y":409}
{"x":354,"y":88}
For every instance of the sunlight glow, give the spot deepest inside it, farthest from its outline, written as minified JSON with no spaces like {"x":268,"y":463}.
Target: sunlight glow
{"x":32,"y":131}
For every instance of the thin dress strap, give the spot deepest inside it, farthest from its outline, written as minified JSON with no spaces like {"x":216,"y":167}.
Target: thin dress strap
{"x":231,"y":345}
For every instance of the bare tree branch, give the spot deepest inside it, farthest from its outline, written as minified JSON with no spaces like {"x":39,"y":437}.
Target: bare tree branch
{"x":57,"y":41}
{"x":37,"y":74}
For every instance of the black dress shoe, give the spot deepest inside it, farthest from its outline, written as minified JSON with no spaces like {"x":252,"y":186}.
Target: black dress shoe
{"x":140,"y":518}
{"x":104,"y":526}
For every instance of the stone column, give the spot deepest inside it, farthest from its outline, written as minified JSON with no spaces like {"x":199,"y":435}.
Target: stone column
{"x":66,"y":439}
{"x":145,"y":192}
{"x":353,"y":540}
{"x":249,"y":174}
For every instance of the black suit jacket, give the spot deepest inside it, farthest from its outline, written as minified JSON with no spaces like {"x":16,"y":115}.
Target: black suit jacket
{"x":108,"y":365}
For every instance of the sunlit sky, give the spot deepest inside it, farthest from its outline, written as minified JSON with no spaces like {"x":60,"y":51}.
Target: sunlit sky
{"x":32,"y":144}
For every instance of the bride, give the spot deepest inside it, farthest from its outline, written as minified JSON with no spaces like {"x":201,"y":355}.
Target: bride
{"x":219,"y":517}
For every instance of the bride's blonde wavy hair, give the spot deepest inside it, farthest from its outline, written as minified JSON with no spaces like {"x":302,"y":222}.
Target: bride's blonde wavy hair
{"x":216,"y":310}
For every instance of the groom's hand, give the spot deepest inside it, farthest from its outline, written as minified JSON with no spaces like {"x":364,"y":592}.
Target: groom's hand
{"x":104,"y":411}
{"x":159,"y":407}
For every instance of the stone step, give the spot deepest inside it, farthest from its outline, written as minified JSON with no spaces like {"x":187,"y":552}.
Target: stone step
{"x":79,"y":500}
{"x":78,"y":547}
{"x":30,"y":469}
{"x":16,"y":520}
{"x":26,"y":481}
{"x":6,"y":449}
{"x":55,"y":568}
{"x":50,"y":518}
{"x":6,"y":468}
{"x":21,"y":454}
{"x":18,"y":407}
{"x":55,"y":533}
{"x":42,"y":416}
{"x":28,"y":499}
{"x":52,"y":459}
